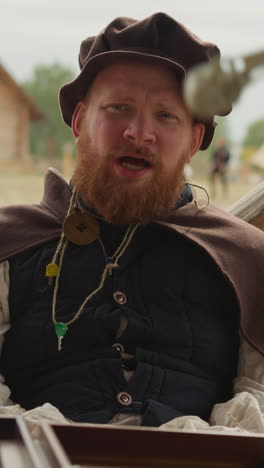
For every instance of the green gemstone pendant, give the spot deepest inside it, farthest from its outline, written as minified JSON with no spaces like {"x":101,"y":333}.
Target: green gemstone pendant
{"x":60,"y":330}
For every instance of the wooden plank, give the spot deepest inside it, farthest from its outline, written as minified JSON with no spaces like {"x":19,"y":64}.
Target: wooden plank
{"x":99,"y":445}
{"x":16,"y":445}
{"x":250,"y":208}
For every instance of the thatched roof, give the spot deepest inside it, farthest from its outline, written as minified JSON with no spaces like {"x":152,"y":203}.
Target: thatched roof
{"x":7,"y":80}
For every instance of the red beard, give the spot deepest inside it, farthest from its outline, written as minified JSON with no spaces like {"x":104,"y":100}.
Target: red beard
{"x":103,"y":191}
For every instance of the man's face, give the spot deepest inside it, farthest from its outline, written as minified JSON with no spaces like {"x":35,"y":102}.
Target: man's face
{"x":134,"y":136}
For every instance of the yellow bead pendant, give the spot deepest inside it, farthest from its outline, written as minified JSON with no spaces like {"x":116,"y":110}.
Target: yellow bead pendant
{"x":52,"y":269}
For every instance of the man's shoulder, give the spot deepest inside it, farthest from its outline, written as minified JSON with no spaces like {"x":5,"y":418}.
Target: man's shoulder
{"x":25,"y":226}
{"x":229,"y":222}
{"x":213,"y":225}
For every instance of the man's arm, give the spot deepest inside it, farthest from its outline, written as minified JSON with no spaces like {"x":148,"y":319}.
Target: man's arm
{"x":7,"y":407}
{"x":244,"y":413}
{"x":246,"y":409}
{"x":4,"y":326}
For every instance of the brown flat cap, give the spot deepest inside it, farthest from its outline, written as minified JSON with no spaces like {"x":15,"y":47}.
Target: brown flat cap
{"x":158,"y":39}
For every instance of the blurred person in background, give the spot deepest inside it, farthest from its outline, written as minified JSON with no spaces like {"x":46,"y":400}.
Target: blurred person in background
{"x":124,"y":299}
{"x":219,"y":168}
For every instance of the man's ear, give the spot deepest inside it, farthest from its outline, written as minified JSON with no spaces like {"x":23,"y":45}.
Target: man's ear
{"x":77,"y":118}
{"x":197,"y":137}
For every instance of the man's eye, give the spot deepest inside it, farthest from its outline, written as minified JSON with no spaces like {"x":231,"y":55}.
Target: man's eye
{"x":117,"y":107}
{"x":168,"y":116}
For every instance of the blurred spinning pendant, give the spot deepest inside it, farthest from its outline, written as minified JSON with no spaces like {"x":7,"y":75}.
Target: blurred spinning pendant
{"x":81,"y":228}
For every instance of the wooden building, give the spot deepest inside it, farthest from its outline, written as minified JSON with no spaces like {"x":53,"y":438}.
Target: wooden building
{"x":17,"y":110}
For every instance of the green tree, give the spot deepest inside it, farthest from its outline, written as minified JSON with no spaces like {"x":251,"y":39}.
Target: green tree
{"x":49,"y":135}
{"x":255,"y":135}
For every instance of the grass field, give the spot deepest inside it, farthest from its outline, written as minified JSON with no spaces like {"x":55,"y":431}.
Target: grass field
{"x":17,"y":186}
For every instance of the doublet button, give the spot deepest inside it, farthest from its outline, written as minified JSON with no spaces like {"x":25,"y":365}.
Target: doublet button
{"x":120,"y":297}
{"x":118,"y":347}
{"x":124,"y":398}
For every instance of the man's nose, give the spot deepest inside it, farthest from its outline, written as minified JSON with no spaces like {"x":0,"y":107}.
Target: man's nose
{"x":140,"y":130}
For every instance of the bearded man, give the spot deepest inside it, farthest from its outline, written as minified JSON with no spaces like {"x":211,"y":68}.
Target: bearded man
{"x":124,"y":299}
{"x":125,"y":130}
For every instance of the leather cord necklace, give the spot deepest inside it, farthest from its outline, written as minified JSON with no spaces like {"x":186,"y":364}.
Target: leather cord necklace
{"x":74,"y":222}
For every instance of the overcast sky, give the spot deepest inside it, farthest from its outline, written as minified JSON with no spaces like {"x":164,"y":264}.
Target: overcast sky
{"x":43,"y":31}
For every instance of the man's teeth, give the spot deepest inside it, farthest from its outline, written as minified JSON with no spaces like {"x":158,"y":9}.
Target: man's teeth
{"x":132,"y":167}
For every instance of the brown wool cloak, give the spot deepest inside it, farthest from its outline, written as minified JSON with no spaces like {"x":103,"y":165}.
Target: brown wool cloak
{"x":236,"y":247}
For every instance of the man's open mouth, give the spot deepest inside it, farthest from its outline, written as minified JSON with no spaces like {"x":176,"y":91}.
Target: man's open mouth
{"x":134,"y":163}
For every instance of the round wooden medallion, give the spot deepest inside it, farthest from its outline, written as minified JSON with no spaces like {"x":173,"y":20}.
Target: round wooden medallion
{"x":81,"y":228}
